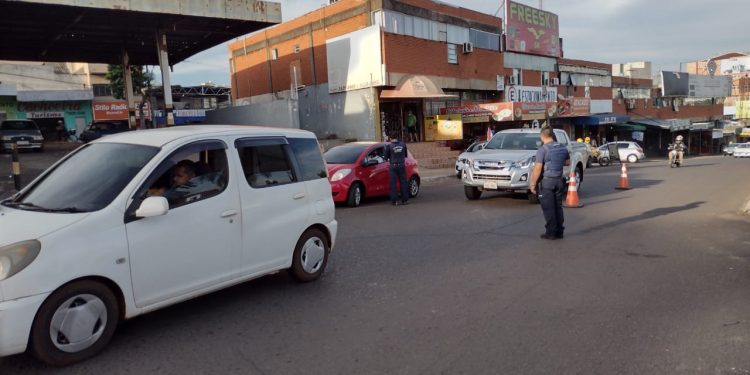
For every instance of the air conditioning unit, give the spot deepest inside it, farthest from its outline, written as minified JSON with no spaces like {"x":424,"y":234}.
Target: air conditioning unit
{"x":512,"y":80}
{"x":555,"y":82}
{"x":468,"y":47}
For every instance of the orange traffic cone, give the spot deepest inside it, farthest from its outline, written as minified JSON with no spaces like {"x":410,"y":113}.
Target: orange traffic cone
{"x":571,"y":201}
{"x":623,"y":178}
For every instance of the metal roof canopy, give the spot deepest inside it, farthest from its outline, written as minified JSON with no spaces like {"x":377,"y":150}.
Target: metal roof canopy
{"x":97,"y":31}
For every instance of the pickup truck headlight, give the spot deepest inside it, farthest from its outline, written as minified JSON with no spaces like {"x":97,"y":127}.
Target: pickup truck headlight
{"x":38,"y":138}
{"x":16,"y":257}
{"x":340,"y":174}
{"x":524,"y":163}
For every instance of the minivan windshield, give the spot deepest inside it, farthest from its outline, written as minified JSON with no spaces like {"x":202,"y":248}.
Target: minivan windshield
{"x":87,"y":180}
{"x":18,"y":125}
{"x":344,"y":154}
{"x":514,"y":141}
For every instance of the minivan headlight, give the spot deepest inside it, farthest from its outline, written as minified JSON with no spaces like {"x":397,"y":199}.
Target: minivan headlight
{"x":14,"y":258}
{"x":340,"y":174}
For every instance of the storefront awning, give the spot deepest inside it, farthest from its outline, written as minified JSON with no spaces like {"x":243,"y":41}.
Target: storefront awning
{"x":630,"y":126}
{"x":664,"y":125}
{"x":54,"y":95}
{"x":416,"y":87}
{"x":601,"y":119}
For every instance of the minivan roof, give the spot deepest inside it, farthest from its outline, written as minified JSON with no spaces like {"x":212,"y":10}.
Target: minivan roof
{"x":162,"y":136}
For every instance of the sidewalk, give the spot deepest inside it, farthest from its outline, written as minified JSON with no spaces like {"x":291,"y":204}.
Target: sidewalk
{"x":431,"y":175}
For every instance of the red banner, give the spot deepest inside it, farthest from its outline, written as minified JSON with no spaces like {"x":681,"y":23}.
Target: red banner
{"x":117,"y":110}
{"x":531,"y":30}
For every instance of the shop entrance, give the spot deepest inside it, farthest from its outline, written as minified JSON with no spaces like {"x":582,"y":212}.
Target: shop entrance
{"x":48,"y":127}
{"x":394,"y":117}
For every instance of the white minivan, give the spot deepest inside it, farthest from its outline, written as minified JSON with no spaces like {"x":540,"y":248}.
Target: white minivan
{"x":140,"y":220}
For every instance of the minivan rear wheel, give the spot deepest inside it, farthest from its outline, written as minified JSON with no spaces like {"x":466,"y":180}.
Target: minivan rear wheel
{"x":75,"y":323}
{"x":310,"y":256}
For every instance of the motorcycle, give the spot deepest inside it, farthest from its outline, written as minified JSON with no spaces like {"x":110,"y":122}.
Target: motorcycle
{"x":675,"y":160}
{"x":601,"y":156}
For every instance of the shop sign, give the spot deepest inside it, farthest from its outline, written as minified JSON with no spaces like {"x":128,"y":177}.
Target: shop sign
{"x":534,"y":111}
{"x":717,"y":133}
{"x":474,"y":113}
{"x":536,"y":94}
{"x":573,"y":107}
{"x":443,"y":127}
{"x":118,"y":110}
{"x":531,"y":30}
{"x":36,"y":115}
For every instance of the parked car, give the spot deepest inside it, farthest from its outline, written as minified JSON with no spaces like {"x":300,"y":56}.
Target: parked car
{"x":98,"y":129}
{"x":23,"y":133}
{"x":358,"y":171}
{"x":630,"y":152}
{"x":507,"y":161}
{"x":742,"y":150}
{"x":98,"y":237}
{"x":728,"y":150}
{"x":461,"y":160}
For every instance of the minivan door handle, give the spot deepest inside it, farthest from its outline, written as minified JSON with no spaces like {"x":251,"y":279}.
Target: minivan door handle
{"x":299,"y":196}
{"x":228,"y":213}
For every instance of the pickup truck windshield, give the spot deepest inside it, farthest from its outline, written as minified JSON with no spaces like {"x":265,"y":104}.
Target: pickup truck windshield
{"x":514,"y":141}
{"x":87,"y":180}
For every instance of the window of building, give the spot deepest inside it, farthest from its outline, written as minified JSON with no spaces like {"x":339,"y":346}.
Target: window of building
{"x":482,"y":39}
{"x":457,"y":34}
{"x":516,"y":77}
{"x":102,"y":90}
{"x":274,"y":54}
{"x":545,"y":79}
{"x":452,"y":54}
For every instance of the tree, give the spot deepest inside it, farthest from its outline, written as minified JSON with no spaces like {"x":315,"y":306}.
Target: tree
{"x":141,"y":79}
{"x":141,"y":83}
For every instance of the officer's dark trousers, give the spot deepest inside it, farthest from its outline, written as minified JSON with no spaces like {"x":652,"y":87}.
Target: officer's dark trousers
{"x":398,"y":171}
{"x":551,"y":198}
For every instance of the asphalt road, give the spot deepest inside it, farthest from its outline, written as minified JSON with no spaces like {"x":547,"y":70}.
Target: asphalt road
{"x":653,"y":280}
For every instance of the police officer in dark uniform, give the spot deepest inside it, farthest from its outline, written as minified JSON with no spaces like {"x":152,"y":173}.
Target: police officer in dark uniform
{"x":550,"y":160}
{"x":396,"y":152}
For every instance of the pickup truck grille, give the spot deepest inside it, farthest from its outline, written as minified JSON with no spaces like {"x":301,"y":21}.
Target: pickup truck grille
{"x":491,"y":177}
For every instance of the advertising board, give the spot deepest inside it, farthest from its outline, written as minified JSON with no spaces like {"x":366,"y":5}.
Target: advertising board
{"x":530,"y":30}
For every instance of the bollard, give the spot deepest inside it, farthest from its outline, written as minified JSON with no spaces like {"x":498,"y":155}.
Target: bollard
{"x":16,"y":167}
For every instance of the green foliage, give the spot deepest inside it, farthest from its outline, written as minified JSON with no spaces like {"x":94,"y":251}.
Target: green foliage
{"x":141,"y":79}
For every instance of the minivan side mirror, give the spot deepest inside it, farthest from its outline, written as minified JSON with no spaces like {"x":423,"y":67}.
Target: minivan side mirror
{"x":152,"y":206}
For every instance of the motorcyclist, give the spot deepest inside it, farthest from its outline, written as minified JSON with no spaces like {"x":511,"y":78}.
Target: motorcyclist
{"x":678,"y":148}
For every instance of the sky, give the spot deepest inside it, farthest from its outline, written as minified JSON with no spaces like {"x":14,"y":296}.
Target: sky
{"x":665,"y":32}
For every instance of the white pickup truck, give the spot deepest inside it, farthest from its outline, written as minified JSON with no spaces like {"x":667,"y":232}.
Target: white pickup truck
{"x":507,"y":161}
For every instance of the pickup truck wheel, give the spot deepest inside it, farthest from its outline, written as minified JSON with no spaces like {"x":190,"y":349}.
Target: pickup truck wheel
{"x":579,"y":176}
{"x":472,"y":193}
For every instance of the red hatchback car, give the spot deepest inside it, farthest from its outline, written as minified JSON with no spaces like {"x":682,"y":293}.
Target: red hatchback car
{"x":357,"y":171}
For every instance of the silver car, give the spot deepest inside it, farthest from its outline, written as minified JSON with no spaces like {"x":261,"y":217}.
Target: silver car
{"x":461,"y":161}
{"x":630,"y":152}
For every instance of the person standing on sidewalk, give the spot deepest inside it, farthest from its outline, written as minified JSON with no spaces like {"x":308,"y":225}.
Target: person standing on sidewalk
{"x":551,"y":158}
{"x":396,"y":153}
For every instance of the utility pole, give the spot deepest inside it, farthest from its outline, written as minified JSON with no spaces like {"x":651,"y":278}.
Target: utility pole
{"x":540,"y":4}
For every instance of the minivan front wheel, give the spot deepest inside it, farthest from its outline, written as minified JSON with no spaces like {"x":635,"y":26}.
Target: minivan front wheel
{"x":310,"y":256}
{"x":74,"y":323}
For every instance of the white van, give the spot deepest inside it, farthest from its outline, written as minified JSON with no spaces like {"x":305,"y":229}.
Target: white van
{"x":141,"y":220}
